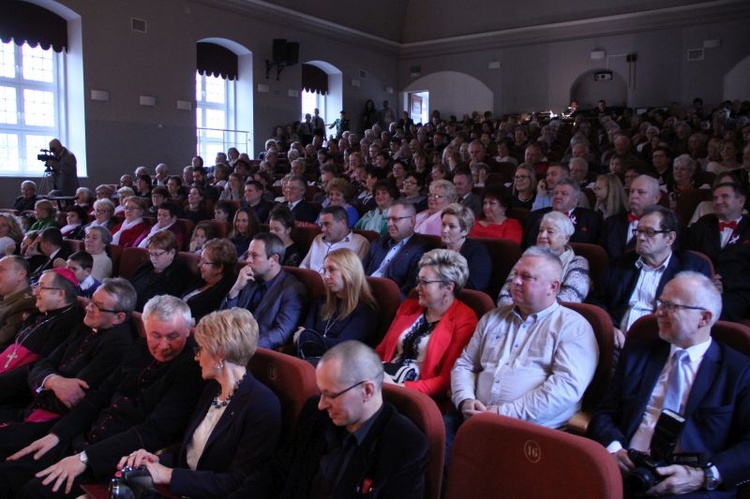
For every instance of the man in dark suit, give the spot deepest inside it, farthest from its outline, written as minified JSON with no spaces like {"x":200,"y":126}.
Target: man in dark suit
{"x":294,"y":193}
{"x":617,"y":236}
{"x":254,"y":200}
{"x":725,"y":238}
{"x":397,"y":255}
{"x":349,"y":442}
{"x":714,"y":399}
{"x":636,"y":279}
{"x":464,"y":183}
{"x":50,"y":245}
{"x":275,"y":297}
{"x":565,"y":200}
{"x":145,"y":403}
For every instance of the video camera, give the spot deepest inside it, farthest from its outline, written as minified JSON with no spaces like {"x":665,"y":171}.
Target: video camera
{"x":663,"y":442}
{"x":45,"y":156}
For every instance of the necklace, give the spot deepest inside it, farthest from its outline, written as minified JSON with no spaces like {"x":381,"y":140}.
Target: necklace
{"x":217,"y":404}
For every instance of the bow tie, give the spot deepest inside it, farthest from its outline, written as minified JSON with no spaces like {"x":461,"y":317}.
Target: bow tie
{"x":633,"y":218}
{"x":728,"y":225}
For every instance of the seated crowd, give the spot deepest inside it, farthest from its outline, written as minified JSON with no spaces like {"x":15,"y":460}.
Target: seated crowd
{"x":286,"y":252}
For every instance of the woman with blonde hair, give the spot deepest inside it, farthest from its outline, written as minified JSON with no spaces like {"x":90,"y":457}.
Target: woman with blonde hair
{"x":611,"y":198}
{"x":348,"y":311}
{"x":524,"y":186}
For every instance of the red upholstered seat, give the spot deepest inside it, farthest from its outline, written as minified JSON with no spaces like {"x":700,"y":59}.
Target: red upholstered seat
{"x":423,"y":411}
{"x":495,"y":456}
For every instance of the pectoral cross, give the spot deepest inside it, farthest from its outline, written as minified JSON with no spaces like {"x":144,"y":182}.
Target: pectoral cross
{"x":13,"y":356}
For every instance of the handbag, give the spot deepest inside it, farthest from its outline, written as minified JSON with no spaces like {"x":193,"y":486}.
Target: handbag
{"x":401,"y":370}
{"x":133,"y":483}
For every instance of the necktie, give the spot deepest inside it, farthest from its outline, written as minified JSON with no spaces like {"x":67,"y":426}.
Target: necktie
{"x":633,"y":218}
{"x":676,"y":385}
{"x":728,"y":225}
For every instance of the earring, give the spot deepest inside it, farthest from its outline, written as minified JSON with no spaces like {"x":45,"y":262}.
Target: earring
{"x":220,"y":365}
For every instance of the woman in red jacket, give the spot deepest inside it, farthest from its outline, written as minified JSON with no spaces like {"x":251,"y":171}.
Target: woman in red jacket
{"x":430,"y":331}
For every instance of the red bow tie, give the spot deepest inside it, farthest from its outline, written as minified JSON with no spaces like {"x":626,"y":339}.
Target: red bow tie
{"x":633,"y":218}
{"x":728,"y":225}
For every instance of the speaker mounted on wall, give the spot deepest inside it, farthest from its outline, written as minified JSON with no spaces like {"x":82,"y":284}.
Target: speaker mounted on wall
{"x":284,"y":54}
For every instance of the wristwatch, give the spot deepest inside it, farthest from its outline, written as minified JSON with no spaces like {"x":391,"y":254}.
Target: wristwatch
{"x":85,"y":459}
{"x":711,"y":481}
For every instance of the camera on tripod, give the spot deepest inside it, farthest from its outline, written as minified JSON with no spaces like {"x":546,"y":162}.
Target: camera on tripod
{"x":45,"y":156}
{"x":663,"y":442}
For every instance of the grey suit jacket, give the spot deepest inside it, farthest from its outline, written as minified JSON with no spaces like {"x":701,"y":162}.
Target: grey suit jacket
{"x":281,"y":310}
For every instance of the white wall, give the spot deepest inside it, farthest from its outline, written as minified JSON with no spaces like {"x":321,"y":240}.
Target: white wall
{"x":454,"y":93}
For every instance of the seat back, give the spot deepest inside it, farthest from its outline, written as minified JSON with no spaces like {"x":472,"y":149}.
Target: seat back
{"x":290,"y":378}
{"x":190,"y":260}
{"x":504,"y":254}
{"x":688,"y":202}
{"x":604,"y":331}
{"x":370,"y":235}
{"x":495,"y":456}
{"x":423,"y":411}
{"x":598,"y":262}
{"x":479,"y":301}
{"x":312,"y":281}
{"x":129,"y":261}
{"x":304,"y":235}
{"x":187,"y":227}
{"x":734,"y":334}
{"x":388,"y":296}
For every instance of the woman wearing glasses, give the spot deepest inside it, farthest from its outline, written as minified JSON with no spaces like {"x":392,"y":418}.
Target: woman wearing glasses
{"x":127,"y":233}
{"x":442,"y":194}
{"x":161,"y":274}
{"x":217,"y":267}
{"x":236,"y":425}
{"x":524,"y":187}
{"x":430,"y":329}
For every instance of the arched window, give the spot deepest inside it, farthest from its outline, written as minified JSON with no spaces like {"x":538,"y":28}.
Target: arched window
{"x":216,"y":101}
{"x":32,"y":65}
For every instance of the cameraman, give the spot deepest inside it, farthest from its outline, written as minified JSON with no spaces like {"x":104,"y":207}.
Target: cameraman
{"x":64,"y":169}
{"x":714,"y":396}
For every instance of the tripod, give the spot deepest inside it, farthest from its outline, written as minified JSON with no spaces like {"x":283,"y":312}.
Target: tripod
{"x":45,"y":184}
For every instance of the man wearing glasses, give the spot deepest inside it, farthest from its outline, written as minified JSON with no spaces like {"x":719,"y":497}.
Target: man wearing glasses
{"x":396,"y":256}
{"x":713,"y":394}
{"x":635,"y":279}
{"x":349,"y":442}
{"x":83,"y":360}
{"x":144,"y":403}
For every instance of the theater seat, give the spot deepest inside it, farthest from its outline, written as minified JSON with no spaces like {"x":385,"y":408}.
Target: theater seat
{"x":479,"y":301}
{"x":504,"y":254}
{"x":495,"y":456}
{"x":598,"y":262}
{"x":423,"y":411}
{"x":129,"y":261}
{"x":603,"y":328}
{"x":388,"y":296}
{"x":290,"y":378}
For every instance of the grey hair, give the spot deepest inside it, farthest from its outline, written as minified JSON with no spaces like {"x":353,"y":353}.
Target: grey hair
{"x":560,"y":221}
{"x":704,"y":292}
{"x":548,"y":256}
{"x":124,"y":292}
{"x":165,"y":307}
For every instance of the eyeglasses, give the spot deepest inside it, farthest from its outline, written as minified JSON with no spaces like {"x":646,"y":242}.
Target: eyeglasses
{"x":333,"y":396}
{"x":670,"y":306}
{"x":206,"y":262}
{"x":649,"y":233}
{"x":521,"y":177}
{"x":396,"y":219}
{"x":409,"y":182}
{"x":424,"y":282}
{"x":39,"y":287}
{"x":436,"y":196}
{"x":131,"y":208}
{"x":93,"y":304}
{"x":156,"y":254}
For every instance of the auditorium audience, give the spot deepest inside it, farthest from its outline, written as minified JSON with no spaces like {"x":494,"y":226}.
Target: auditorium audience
{"x":611,"y":198}
{"x":244,"y":226}
{"x":334,"y":234}
{"x":281,"y":223}
{"x":202,"y":233}
{"x":217,"y":268}
{"x":162,"y":273}
{"x":11,"y":234}
{"x":524,"y":187}
{"x":457,"y":221}
{"x":127,"y":233}
{"x":96,"y":241}
{"x":442,"y":193}
{"x":494,"y":222}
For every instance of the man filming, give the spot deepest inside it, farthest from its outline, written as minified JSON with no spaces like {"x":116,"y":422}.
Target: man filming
{"x":64,"y":169}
